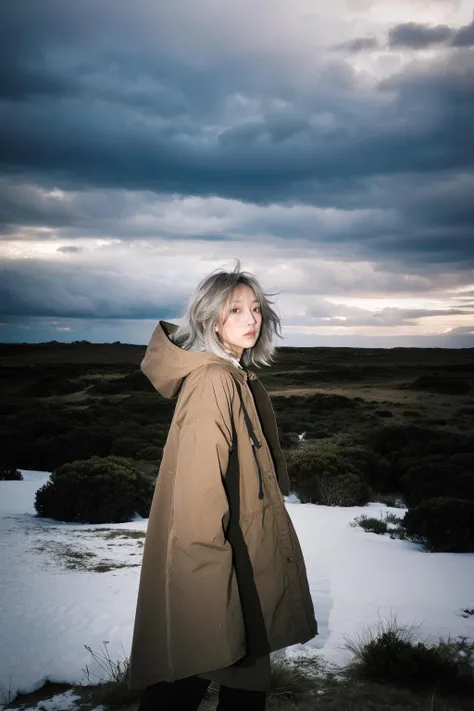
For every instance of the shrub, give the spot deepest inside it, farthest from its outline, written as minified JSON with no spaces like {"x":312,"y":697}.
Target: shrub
{"x":288,"y":439}
{"x":320,"y":474}
{"x":289,"y":681}
{"x":392,"y":656}
{"x":437,"y":476}
{"x":469,"y":411}
{"x":126,"y":446}
{"x":376,"y":469}
{"x":327,"y":401}
{"x":393,"y":438}
{"x":388,"y":523}
{"x":10,"y":474}
{"x":150,"y":453}
{"x":411,"y":447}
{"x":372,"y":524}
{"x":393,"y":500}
{"x":97,"y":490}
{"x":441,"y":384}
{"x":443,"y":524}
{"x":112,"y":690}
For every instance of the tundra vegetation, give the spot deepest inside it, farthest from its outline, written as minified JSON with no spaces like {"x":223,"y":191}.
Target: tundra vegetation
{"x":356,"y":425}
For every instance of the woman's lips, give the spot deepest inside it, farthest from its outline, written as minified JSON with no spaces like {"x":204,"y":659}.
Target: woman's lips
{"x":250,"y":334}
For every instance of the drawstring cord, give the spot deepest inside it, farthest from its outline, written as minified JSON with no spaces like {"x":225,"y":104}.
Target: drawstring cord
{"x":260,"y":479}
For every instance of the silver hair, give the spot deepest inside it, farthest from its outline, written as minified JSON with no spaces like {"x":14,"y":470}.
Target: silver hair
{"x":204,"y":313}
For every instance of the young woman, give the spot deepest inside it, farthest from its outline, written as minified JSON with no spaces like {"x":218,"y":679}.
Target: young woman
{"x":223,"y":581}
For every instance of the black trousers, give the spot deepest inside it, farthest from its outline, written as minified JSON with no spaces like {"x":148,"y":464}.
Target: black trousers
{"x":187,"y":694}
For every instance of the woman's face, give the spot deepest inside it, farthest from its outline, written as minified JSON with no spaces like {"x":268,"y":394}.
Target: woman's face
{"x":241,"y":320}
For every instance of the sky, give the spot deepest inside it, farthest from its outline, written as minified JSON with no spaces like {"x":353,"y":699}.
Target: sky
{"x":328,"y":146}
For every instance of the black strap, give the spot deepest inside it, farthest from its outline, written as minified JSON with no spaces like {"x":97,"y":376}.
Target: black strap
{"x":256,"y":444}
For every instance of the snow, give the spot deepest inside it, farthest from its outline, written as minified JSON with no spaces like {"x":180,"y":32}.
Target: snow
{"x":49,"y":612}
{"x":59,"y":702}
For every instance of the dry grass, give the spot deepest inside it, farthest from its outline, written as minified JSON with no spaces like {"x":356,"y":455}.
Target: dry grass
{"x":306,"y":685}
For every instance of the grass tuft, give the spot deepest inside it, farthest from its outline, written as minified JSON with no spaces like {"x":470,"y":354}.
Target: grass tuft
{"x":290,"y":681}
{"x":6,"y":693}
{"x":389,"y":654}
{"x":113,"y":679}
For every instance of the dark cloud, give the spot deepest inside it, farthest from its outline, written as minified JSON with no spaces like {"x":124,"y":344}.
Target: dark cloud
{"x":388,"y":317}
{"x":359,"y":44}
{"x":417,"y":36}
{"x":81,"y":291}
{"x":146,"y":120}
{"x":464,"y":37}
{"x":422,"y":226}
{"x":70,"y":249}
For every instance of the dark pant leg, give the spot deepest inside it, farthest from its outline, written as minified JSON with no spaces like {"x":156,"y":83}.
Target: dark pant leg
{"x":241,"y":699}
{"x":182,"y":695}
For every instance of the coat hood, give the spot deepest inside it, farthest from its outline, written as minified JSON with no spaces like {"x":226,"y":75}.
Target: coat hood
{"x":166,"y":365}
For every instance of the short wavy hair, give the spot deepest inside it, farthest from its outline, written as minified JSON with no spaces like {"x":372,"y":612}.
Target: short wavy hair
{"x":207,"y":305}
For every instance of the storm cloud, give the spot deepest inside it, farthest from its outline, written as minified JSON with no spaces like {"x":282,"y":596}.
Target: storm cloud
{"x":416,"y":35}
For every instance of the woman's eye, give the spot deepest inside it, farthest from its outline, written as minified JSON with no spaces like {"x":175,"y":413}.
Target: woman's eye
{"x":257,"y":308}
{"x":233,"y":311}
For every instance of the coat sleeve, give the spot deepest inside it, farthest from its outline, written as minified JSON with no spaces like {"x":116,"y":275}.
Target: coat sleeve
{"x":200,"y":504}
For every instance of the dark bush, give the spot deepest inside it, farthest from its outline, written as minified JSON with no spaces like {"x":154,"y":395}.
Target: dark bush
{"x":127,"y":447}
{"x":320,"y":474}
{"x":392,"y":657}
{"x":150,"y":453}
{"x":412,"y":447}
{"x":469,"y":411}
{"x":324,"y":402}
{"x":288,"y":439}
{"x":375,"y":468}
{"x":53,"y":384}
{"x":441,"y":384}
{"x":443,"y":524}
{"x":10,"y":474}
{"x":394,"y":438}
{"x":437,"y":476}
{"x":97,"y":490}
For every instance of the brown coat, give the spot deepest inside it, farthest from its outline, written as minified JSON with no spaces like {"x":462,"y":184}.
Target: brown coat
{"x":223,"y":581}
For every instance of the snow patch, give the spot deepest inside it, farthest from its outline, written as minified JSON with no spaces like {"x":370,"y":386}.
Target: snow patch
{"x":50,"y":612}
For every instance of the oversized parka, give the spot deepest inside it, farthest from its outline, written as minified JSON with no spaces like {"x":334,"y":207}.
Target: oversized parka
{"x":223,"y":581}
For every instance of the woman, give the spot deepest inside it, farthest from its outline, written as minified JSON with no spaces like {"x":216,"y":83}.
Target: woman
{"x":223,"y":582}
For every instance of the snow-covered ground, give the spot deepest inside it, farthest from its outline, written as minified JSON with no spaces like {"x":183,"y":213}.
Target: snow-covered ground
{"x":50,"y":609}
